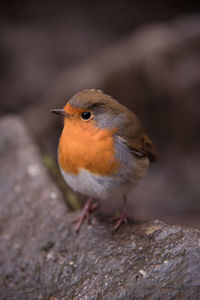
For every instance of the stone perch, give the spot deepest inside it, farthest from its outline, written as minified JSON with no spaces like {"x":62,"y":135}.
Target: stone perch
{"x":41,"y":257}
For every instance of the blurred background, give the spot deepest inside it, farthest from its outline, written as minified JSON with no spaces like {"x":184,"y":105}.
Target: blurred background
{"x":145,"y":54}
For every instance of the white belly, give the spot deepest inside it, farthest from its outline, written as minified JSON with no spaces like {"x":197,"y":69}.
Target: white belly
{"x":88,"y":184}
{"x":102,"y":187}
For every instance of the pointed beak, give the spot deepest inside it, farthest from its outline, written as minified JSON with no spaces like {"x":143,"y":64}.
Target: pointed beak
{"x":61,"y":112}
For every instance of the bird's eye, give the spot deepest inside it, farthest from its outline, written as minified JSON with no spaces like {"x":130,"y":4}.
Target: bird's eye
{"x":86,"y":115}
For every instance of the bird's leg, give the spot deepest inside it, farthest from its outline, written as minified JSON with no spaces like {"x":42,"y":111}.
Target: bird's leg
{"x":123,"y":218}
{"x":85,"y":214}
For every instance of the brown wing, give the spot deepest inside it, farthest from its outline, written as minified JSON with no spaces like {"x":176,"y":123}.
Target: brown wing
{"x":149,"y":148}
{"x":142,"y":147}
{"x":136,"y":139}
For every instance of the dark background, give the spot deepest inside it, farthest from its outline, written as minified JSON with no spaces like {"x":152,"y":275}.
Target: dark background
{"x":145,"y":54}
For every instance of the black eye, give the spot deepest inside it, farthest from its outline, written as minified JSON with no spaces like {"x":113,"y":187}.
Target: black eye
{"x":86,"y":115}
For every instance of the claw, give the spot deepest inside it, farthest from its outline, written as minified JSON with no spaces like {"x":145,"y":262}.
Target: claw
{"x":123,"y":218}
{"x":120,"y":220}
{"x":85,"y":214}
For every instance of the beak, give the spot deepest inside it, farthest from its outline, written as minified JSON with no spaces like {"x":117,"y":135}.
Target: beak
{"x":61,"y":112}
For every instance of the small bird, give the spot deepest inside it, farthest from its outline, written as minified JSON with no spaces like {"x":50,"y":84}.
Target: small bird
{"x":103,"y":149}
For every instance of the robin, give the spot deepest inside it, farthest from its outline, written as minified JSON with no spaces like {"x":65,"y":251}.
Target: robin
{"x":103,"y":149}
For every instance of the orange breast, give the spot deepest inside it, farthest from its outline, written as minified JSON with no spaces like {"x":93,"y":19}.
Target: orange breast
{"x":83,"y":145}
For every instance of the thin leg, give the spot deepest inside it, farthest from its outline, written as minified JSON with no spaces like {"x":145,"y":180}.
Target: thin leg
{"x":85,"y":214}
{"x":123,"y":217}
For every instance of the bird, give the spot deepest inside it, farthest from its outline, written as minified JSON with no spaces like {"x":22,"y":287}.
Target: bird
{"x":103,"y":150}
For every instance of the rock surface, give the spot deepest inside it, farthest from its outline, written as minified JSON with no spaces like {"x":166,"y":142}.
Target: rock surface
{"x":41,"y":257}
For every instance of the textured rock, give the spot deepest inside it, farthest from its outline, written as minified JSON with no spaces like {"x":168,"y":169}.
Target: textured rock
{"x":41,"y":257}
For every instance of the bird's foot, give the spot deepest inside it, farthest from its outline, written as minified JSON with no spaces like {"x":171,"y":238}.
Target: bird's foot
{"x":85,"y":214}
{"x":122,"y":218}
